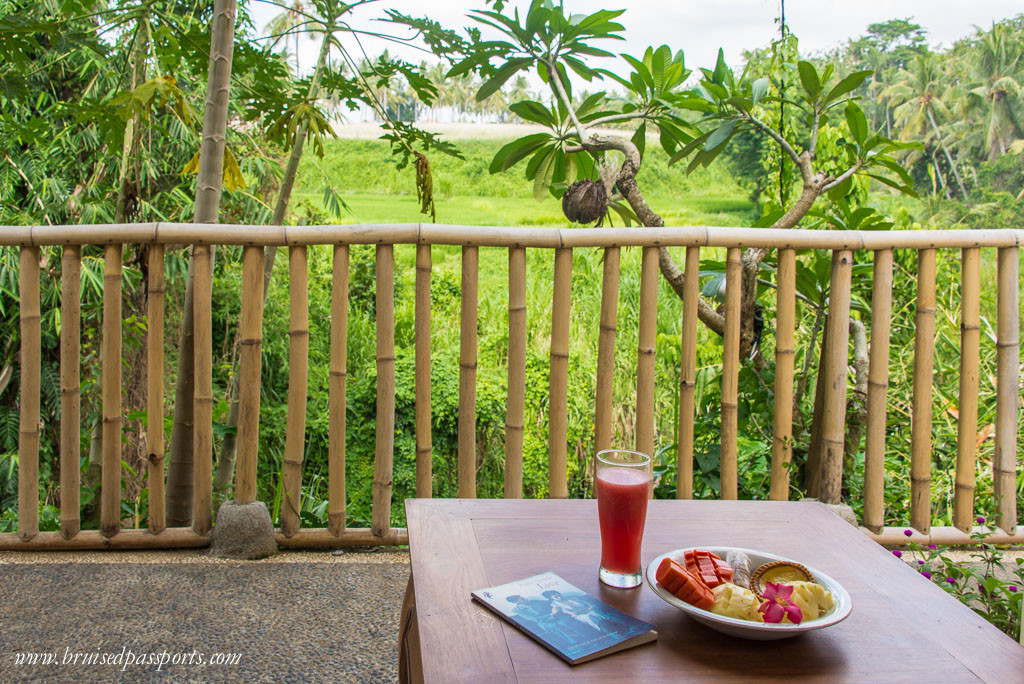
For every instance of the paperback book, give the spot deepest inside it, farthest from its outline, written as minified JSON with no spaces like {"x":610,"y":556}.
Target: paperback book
{"x":570,"y":623}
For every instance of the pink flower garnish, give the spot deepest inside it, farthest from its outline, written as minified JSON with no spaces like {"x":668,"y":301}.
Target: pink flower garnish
{"x":777,"y":604}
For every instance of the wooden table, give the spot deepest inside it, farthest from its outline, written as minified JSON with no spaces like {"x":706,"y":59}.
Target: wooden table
{"x":903,"y":628}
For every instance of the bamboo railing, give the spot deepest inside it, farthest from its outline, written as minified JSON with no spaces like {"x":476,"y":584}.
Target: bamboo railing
{"x":846,"y":246}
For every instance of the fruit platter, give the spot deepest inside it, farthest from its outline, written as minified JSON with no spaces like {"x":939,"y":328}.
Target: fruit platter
{"x":748,"y":594}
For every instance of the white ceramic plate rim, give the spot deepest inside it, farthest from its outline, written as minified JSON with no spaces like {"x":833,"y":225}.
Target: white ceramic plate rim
{"x":842,"y":599}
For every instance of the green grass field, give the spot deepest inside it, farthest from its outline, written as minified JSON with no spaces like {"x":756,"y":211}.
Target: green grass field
{"x":363,"y":174}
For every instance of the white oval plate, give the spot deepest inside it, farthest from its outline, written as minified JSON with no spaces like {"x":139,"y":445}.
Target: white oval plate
{"x":744,"y":628}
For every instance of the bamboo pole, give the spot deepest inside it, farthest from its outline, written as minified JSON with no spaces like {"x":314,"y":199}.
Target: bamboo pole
{"x":383,"y":462}
{"x":496,"y":236}
{"x":945,"y":536}
{"x":785,"y":322}
{"x":339,"y":378}
{"x":28,"y":442}
{"x":202,"y":429}
{"x":921,"y":411}
{"x":154,"y":389}
{"x":647,"y":337}
{"x":514,"y":415}
{"x":110,"y":501}
{"x":834,"y":414}
{"x":558,"y":487}
{"x":967,"y":421}
{"x":424,"y":439}
{"x":250,"y":371}
{"x":89,"y":540}
{"x":688,"y":374}
{"x":467,"y":375}
{"x":604,"y":391}
{"x":730,"y":373}
{"x":298,"y":376}
{"x":878,"y":385}
{"x":353,"y":536}
{"x":70,"y":390}
{"x":1007,"y":389}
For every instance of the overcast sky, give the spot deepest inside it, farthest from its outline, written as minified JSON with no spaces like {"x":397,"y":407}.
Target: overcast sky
{"x":700,"y":28}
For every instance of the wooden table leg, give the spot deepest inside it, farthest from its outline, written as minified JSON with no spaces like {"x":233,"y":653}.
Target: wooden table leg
{"x":410,"y":665}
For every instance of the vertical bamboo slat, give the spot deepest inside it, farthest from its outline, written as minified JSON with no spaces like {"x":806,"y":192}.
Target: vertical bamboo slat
{"x":336,"y":504}
{"x":202,"y":472}
{"x":967,"y":421}
{"x":71,"y":390}
{"x":730,"y":373}
{"x":688,"y":375}
{"x":467,"y":374}
{"x":647,"y":337}
{"x":28,"y":437}
{"x":424,"y":439}
{"x":606,"y":350}
{"x":250,"y":370}
{"x":1007,"y":388}
{"x":559,"y":383}
{"x":921,"y":411}
{"x":384,"y":459}
{"x":110,"y":494}
{"x":878,"y":385}
{"x":298,"y":375}
{"x":785,"y":322}
{"x":834,"y":414}
{"x":154,"y":389}
{"x":514,"y":414}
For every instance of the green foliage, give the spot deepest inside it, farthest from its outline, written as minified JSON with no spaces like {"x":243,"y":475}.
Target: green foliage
{"x":978,"y":584}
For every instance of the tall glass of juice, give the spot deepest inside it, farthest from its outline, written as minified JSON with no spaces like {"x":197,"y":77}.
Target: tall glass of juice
{"x":623,"y":483}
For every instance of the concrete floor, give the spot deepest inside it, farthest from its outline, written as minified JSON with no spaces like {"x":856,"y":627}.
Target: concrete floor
{"x":297,"y":617}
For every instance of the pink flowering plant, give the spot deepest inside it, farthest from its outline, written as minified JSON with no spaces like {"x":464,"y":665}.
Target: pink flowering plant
{"x":977,"y":585}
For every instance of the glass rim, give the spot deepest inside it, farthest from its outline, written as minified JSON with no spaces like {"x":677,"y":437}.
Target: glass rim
{"x":646,"y":460}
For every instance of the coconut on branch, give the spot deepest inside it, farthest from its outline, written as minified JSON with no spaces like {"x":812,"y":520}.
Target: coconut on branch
{"x":585,"y":201}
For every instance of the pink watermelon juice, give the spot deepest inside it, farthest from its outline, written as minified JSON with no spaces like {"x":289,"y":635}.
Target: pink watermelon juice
{"x":621,"y":512}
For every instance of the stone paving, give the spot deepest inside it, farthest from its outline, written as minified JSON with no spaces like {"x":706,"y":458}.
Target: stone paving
{"x":296,"y":617}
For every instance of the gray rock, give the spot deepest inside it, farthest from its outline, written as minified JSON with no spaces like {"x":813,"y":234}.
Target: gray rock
{"x":243,"y":532}
{"x":842,"y":510}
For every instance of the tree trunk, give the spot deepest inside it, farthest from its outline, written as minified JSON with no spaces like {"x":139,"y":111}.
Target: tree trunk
{"x":208,"y":189}
{"x":229,"y":447}
{"x":285,"y":194}
{"x":131,"y":127}
{"x":857,"y":407}
{"x":949,"y":158}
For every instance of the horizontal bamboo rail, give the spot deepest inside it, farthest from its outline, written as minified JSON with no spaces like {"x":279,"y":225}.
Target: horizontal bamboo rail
{"x":94,"y":540}
{"x":516,"y":240}
{"x":493,"y":236}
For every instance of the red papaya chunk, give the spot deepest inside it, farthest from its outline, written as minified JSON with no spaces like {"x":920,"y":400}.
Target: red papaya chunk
{"x":710,"y":567}
{"x":684,"y":584}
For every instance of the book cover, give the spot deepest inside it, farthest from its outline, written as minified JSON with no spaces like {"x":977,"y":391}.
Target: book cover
{"x":571,"y":623}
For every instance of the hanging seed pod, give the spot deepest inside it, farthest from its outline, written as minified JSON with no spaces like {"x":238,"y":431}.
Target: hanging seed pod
{"x":585,"y":201}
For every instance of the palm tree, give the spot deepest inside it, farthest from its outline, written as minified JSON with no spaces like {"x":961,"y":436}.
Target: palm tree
{"x":920,"y":89}
{"x":996,"y":67}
